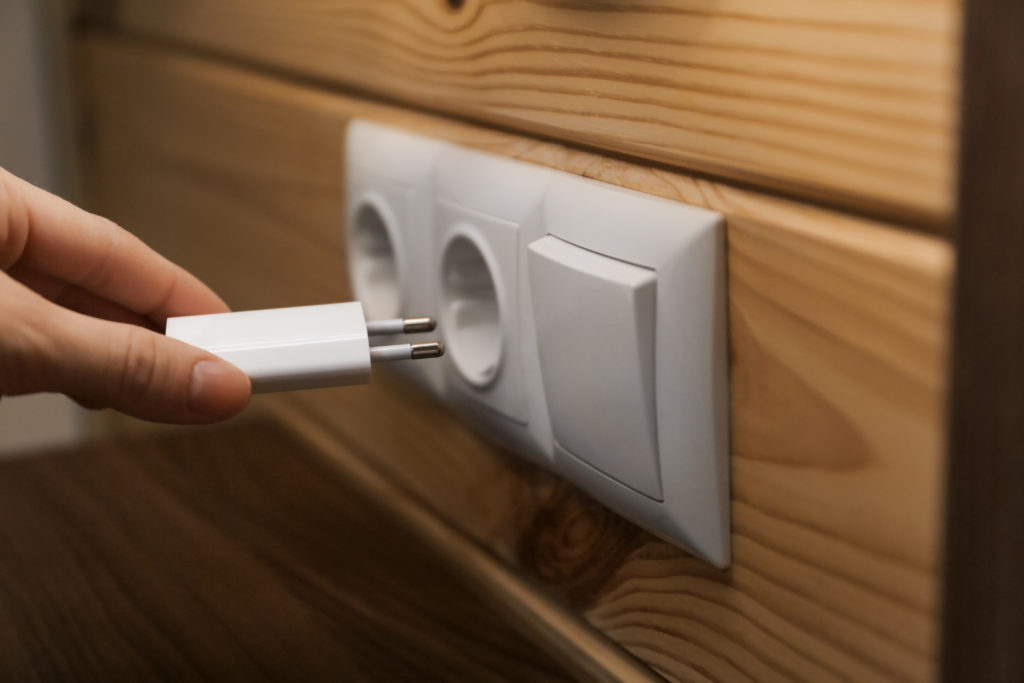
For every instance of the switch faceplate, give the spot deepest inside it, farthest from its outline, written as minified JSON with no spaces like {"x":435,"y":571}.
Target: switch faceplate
{"x":685,"y":247}
{"x":585,"y":323}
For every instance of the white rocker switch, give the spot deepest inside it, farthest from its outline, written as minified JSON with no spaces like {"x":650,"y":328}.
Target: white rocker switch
{"x":639,"y":409}
{"x":595,"y":319}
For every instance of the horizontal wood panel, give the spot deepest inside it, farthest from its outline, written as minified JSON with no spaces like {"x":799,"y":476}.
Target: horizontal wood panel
{"x":838,"y":341}
{"x":842,"y":100}
{"x":223,"y":555}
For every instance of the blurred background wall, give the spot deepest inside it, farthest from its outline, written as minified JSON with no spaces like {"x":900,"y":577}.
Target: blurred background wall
{"x":30,"y":148}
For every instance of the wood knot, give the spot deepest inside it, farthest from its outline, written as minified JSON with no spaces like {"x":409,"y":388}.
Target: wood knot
{"x":574,"y":544}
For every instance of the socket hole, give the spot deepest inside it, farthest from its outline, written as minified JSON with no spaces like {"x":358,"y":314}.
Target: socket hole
{"x":374,"y":265}
{"x":471,"y":314}
{"x":455,"y":5}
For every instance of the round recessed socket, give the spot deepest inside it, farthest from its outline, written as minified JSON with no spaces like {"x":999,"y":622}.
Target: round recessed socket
{"x":471,"y":311}
{"x":374,"y":264}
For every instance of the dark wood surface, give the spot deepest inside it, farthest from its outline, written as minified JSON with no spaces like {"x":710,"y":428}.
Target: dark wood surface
{"x":230,"y":554}
{"x":984,"y":592}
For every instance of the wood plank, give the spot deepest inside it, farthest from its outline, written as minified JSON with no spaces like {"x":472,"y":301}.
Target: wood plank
{"x":838,"y":340}
{"x":225,"y":555}
{"x":849,"y":101}
{"x":984,"y":589}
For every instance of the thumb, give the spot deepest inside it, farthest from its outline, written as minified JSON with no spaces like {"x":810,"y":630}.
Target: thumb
{"x":137,"y":371}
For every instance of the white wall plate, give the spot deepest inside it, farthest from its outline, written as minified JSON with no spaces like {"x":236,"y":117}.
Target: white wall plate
{"x":585,"y":324}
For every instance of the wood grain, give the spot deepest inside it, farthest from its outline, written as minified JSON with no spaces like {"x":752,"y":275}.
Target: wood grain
{"x":233,"y":554}
{"x":838,"y":341}
{"x":849,"y":101}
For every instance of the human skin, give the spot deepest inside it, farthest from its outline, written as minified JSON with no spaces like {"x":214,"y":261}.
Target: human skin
{"x":82,"y":302}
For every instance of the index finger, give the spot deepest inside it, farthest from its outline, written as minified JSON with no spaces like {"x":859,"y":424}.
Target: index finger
{"x":56,"y":238}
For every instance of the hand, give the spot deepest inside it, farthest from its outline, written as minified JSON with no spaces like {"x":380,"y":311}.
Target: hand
{"x":80,"y":300}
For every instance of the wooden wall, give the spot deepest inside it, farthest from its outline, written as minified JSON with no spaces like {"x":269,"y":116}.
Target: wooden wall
{"x":223,"y":555}
{"x":837,"y":345}
{"x":848,"y":101}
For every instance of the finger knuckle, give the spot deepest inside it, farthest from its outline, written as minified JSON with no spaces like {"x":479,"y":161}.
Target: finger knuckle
{"x":99,"y":275}
{"x":26,"y":352}
{"x":137,"y":368}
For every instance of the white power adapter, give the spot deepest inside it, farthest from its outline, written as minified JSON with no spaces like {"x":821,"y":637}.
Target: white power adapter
{"x":304,"y":347}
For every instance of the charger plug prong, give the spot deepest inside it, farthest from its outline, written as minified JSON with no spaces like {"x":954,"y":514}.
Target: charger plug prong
{"x":401,"y":326}
{"x":417,"y":351}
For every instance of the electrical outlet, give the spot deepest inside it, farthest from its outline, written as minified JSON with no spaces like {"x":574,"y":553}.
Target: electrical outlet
{"x":486,"y":211}
{"x":585,"y":323}
{"x":389,"y":228}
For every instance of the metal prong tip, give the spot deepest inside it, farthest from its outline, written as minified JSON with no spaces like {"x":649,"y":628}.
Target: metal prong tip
{"x":422,"y":324}
{"x":416,"y":351}
{"x":401,"y":326}
{"x":434,"y":349}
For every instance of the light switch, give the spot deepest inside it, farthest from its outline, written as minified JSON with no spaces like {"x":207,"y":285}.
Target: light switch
{"x":595,"y":320}
{"x":622,"y":236}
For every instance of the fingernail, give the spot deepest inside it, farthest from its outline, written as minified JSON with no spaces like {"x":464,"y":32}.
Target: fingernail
{"x":217,"y":389}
